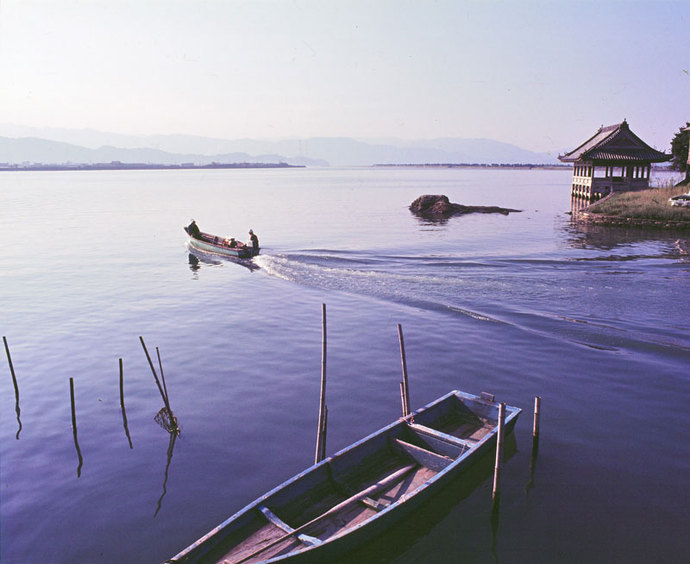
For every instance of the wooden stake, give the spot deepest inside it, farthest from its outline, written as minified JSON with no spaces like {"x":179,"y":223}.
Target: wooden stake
{"x":122,"y":385}
{"x":74,"y":426}
{"x":160,"y":365}
{"x":499,"y":449}
{"x":402,"y":398}
{"x":324,"y":433}
{"x":74,"y":411}
{"x":171,"y":424}
{"x":321,"y":429}
{"x":535,"y":427}
{"x":155,"y":376}
{"x":9,"y":360}
{"x":405,"y":385}
{"x":537,"y":409}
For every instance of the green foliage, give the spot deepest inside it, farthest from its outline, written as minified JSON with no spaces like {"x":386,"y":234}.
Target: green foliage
{"x":679,"y":149}
{"x":649,"y":204}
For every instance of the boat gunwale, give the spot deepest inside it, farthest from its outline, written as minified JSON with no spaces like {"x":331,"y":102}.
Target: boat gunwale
{"x":512,"y":413}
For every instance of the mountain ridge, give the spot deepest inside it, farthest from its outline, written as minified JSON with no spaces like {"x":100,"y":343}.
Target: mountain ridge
{"x":91,"y":146}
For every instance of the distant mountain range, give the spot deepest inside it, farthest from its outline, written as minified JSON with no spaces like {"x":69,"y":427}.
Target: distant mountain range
{"x":21,"y":145}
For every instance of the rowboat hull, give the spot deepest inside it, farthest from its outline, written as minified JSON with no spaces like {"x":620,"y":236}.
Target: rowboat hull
{"x":361,"y":491}
{"x":213,"y":244}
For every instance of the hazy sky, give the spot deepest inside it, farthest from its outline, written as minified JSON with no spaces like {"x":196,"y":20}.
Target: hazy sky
{"x":541,"y":75}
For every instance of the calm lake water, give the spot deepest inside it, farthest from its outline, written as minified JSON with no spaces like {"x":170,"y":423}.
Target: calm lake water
{"x":594,"y":320}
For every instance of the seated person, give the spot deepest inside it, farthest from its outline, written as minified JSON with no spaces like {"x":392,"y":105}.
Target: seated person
{"x":193,"y":230}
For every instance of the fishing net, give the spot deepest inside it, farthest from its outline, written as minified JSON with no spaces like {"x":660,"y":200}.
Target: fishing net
{"x":167,"y":421}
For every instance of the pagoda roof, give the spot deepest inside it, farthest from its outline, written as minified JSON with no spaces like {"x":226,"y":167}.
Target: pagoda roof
{"x":615,"y":143}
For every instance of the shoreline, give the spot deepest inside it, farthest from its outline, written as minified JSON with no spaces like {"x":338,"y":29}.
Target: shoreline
{"x":622,"y":221}
{"x":587,"y":216}
{"x":140,"y":166}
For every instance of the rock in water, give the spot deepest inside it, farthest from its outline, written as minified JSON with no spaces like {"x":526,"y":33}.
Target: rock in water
{"x":440,"y":207}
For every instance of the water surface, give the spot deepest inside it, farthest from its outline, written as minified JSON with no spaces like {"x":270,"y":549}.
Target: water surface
{"x":595,"y":320}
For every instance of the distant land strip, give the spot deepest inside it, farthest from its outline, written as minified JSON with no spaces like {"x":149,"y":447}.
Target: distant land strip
{"x":480,"y":165}
{"x":117,"y":165}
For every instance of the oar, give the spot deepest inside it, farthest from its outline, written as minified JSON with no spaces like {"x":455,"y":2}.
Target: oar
{"x":387,"y":481}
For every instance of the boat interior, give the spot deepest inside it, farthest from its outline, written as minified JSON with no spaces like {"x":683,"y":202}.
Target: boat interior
{"x":354,"y":486}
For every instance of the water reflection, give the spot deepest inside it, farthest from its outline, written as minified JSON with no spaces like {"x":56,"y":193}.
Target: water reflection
{"x":494,"y":520}
{"x":171,"y":448}
{"x":431,"y":221}
{"x":193,"y":263}
{"x":122,"y":405}
{"x":532,"y":463}
{"x":578,"y":203}
{"x":582,"y":235}
{"x":16,"y":388}
{"x":197,"y":259}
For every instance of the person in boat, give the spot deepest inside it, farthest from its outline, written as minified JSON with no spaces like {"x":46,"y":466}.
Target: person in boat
{"x":193,"y":230}
{"x":232,"y":243}
{"x":255,"y":242}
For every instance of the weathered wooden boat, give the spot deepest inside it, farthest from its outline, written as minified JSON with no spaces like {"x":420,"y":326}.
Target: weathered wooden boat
{"x":359,"y":492}
{"x":214,"y":244}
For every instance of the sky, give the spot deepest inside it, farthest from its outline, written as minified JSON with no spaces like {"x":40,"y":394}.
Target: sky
{"x":543,"y":75}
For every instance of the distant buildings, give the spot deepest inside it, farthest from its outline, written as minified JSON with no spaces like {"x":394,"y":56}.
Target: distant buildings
{"x":614,"y":159}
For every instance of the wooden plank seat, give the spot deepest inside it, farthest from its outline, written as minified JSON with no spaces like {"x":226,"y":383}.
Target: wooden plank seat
{"x":424,"y":457}
{"x":445,"y":437}
{"x":376,"y":505}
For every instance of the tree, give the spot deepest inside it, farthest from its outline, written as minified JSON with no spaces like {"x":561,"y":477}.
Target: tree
{"x":679,"y":150}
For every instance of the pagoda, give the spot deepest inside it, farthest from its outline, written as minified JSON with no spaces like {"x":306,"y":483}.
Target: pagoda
{"x":614,"y":159}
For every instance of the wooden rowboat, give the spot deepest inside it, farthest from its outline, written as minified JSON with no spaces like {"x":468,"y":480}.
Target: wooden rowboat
{"x":359,"y":492}
{"x":214,"y":244}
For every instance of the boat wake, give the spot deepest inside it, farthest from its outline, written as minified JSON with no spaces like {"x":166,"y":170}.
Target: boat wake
{"x":413,"y":281}
{"x":537,"y":295}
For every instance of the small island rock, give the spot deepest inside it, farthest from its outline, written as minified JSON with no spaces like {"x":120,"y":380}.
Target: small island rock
{"x":432,"y":206}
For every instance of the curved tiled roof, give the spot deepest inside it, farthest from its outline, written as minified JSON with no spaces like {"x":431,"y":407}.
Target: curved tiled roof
{"x":614,"y":143}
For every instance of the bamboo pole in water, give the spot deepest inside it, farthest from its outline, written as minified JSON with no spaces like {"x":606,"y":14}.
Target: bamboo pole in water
{"x":74,"y":411}
{"x":321,"y":429}
{"x":160,"y":366}
{"x":537,"y":410}
{"x":155,"y":376}
{"x":405,"y":385}
{"x":535,"y":427}
{"x":74,"y":426}
{"x":122,"y":385}
{"x":499,"y":450}
{"x":323,"y":432}
{"x":9,"y":360}
{"x":402,"y":398}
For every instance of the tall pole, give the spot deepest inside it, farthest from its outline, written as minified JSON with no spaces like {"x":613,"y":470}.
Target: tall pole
{"x":321,"y":429}
{"x":499,"y":449}
{"x":74,"y":427}
{"x":404,"y":386}
{"x":535,"y":425}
